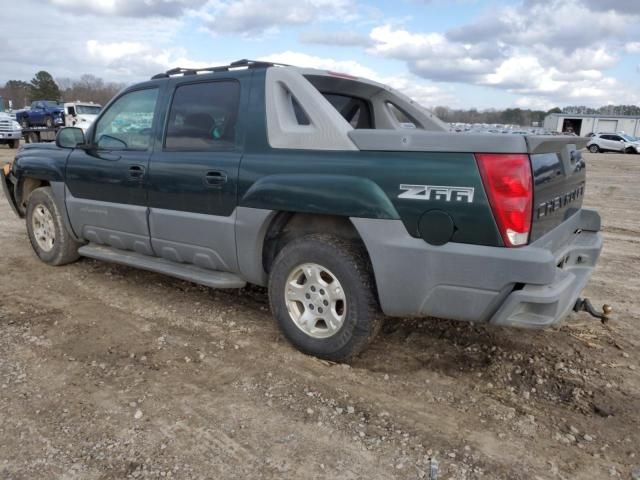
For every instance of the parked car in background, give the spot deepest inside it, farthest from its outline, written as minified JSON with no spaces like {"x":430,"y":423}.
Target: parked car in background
{"x":10,"y":131}
{"x":80,"y":114}
{"x":43,"y":113}
{"x":613,"y":142}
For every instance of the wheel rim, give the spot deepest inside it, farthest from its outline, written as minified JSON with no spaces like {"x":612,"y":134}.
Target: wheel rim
{"x":315,"y":300}
{"x":44,"y":229}
{"x":593,"y":149}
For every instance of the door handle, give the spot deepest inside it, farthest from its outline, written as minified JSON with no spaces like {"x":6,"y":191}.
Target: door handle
{"x":215,"y":178}
{"x":136,"y":171}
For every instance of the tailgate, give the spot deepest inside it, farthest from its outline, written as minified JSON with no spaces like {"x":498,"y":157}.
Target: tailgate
{"x":559,"y":174}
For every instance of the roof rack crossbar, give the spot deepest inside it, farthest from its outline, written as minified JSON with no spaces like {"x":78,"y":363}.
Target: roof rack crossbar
{"x":222,"y":68}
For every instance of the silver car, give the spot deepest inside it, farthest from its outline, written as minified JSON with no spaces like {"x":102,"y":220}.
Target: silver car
{"x":613,"y":142}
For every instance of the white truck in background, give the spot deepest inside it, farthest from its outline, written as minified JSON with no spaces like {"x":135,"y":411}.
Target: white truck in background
{"x":80,"y":114}
{"x":10,"y":130}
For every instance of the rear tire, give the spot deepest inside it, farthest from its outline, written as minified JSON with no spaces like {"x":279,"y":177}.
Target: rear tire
{"x":48,"y":122}
{"x":48,"y":235}
{"x":24,"y":123}
{"x":594,"y":149}
{"x":322,"y":294}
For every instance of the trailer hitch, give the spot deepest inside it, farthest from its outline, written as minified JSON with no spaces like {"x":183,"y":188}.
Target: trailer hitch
{"x":584,"y":305}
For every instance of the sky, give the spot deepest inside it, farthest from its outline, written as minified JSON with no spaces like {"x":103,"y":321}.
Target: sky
{"x":459,"y":53}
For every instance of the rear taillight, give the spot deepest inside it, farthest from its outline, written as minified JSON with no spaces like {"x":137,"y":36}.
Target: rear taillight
{"x":507,"y":181}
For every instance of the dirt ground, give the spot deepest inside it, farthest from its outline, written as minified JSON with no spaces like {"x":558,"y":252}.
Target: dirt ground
{"x":108,"y":372}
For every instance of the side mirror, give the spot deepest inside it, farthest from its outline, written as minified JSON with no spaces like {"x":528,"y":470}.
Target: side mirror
{"x":70,"y":137}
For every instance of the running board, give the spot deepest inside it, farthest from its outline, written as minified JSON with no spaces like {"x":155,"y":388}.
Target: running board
{"x":191,"y":273}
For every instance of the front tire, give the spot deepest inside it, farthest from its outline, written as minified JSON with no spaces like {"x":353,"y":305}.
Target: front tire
{"x":594,"y":148}
{"x":48,"y":235}
{"x":322,"y":295}
{"x":14,"y":143}
{"x":24,"y":123}
{"x":48,"y":122}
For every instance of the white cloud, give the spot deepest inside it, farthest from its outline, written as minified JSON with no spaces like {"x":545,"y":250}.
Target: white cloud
{"x":256,"y":16}
{"x":129,"y":8}
{"x":311,"y":61}
{"x":528,"y":50}
{"x":632,"y":47}
{"x":343,"y":38}
{"x":109,"y":52}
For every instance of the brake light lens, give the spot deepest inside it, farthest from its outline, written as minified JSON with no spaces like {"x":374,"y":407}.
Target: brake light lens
{"x":508,"y":182}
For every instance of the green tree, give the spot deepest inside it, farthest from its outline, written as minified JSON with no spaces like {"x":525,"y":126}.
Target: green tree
{"x":17,"y":91}
{"x":44,"y":87}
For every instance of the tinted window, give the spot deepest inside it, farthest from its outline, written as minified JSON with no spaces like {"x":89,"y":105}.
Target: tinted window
{"x":126,"y":124}
{"x":354,"y":110}
{"x":203,"y":117}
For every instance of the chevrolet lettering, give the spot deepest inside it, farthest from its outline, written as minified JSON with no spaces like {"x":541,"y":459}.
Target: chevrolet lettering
{"x":560,"y":202}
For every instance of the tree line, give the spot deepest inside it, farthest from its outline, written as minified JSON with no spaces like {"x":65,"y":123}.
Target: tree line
{"x":87,"y":88}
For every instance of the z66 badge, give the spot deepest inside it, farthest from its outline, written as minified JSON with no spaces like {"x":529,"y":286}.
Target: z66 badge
{"x":437,"y":192}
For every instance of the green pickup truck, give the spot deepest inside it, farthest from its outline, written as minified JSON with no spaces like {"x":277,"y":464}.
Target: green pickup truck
{"x":341,"y":195}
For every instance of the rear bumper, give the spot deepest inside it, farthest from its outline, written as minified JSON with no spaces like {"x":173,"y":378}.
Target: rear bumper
{"x":533,"y":286}
{"x":537,"y":306}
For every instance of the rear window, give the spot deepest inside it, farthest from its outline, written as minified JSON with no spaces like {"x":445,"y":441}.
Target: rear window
{"x":354,"y":110}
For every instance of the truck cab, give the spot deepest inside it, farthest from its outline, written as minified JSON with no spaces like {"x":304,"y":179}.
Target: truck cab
{"x":80,"y":114}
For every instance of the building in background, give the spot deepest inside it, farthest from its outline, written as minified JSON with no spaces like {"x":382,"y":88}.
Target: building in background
{"x":584,"y":124}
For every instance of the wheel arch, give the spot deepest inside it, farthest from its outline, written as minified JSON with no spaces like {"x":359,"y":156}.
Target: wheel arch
{"x":26,"y":186}
{"x":259,"y":245}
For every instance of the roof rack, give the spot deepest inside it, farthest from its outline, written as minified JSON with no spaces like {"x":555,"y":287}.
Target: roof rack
{"x":223,"y":68}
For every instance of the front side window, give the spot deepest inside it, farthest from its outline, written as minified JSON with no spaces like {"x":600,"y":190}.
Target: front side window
{"x":203,"y":117}
{"x":126,"y":125}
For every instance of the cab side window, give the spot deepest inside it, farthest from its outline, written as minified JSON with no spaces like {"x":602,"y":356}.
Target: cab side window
{"x":126,"y":125}
{"x":203,"y":117}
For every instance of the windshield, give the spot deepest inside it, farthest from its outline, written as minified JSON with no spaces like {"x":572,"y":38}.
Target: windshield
{"x":88,"y":109}
{"x":629,"y":138}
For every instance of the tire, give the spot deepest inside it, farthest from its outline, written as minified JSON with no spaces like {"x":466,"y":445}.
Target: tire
{"x":48,"y":235}
{"x":14,"y":143}
{"x":48,"y":122}
{"x":337,"y":260}
{"x":24,"y":123}
{"x":630,"y":150}
{"x":594,"y":148}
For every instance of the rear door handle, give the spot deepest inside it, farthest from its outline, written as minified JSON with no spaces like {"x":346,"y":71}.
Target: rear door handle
{"x":215,"y":178}
{"x":136,"y":171}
